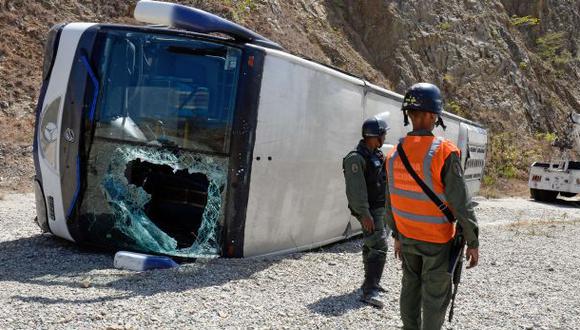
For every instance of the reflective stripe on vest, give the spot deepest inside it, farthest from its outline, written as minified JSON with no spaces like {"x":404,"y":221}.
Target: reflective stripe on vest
{"x":420,"y":218}
{"x":416,"y":216}
{"x":427,"y":161}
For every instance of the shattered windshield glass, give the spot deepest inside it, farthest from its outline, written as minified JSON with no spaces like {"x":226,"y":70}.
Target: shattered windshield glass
{"x":143,"y":198}
{"x":157,"y":164}
{"x":167,"y":90}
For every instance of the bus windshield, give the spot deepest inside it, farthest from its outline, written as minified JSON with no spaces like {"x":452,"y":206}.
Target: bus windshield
{"x":165,"y":90}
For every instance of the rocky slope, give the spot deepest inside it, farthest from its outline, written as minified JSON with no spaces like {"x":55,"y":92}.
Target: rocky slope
{"x":511,"y":64}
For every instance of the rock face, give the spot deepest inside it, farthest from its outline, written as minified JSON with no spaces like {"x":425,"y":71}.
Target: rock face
{"x":512,"y":65}
{"x":484,"y":63}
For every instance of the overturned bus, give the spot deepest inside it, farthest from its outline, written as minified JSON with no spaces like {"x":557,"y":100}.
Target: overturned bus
{"x":170,"y":139}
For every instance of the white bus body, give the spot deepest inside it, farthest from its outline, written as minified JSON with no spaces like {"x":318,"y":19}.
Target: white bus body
{"x":113,"y":174}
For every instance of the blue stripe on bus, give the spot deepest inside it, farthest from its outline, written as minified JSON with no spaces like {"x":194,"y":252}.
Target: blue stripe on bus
{"x":91,"y":117}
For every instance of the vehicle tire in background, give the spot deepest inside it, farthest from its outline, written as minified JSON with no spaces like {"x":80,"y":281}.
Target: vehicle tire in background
{"x":541,"y":195}
{"x":567,"y":194}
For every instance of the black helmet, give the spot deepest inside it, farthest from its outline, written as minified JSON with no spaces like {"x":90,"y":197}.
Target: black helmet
{"x":374,"y":126}
{"x":423,"y":97}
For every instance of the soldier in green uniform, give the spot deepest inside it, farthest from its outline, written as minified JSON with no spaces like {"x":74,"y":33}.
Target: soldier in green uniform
{"x":365,"y":176}
{"x":426,"y":283}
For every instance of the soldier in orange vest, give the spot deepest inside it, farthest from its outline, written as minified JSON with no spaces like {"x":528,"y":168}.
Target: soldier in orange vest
{"x":422,"y":231}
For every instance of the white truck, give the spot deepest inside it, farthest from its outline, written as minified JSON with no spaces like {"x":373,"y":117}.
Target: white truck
{"x":561,"y":176}
{"x":169,"y":139}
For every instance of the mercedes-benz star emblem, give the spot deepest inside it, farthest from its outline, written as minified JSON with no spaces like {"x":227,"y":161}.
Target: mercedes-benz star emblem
{"x":69,"y":135}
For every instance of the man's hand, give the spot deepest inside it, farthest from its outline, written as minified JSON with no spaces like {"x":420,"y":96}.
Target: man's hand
{"x":397,"y":248}
{"x":472,"y":255}
{"x":368,"y":224}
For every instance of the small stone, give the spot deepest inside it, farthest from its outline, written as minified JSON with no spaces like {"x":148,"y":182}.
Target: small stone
{"x":115,"y":327}
{"x":222,"y":314}
{"x":86,"y":283}
{"x":4,"y":105}
{"x":550,"y":269}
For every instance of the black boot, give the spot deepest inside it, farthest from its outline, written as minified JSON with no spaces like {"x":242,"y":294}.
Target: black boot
{"x":370,"y":292}
{"x":381,"y":289}
{"x":380,"y":269}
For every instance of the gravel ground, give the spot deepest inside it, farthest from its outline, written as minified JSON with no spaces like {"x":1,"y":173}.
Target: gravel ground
{"x":528,"y":278}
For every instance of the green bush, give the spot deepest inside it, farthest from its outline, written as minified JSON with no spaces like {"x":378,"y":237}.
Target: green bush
{"x":508,"y":157}
{"x":524,"y":21}
{"x":551,"y":47}
{"x":546,"y":137}
{"x":455,"y":108}
{"x":444,"y":26}
{"x":488,"y":180}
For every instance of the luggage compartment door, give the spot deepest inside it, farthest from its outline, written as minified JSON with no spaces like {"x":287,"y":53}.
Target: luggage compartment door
{"x":473,"y":143}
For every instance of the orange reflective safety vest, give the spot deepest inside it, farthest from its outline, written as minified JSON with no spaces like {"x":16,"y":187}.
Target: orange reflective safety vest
{"x":416,"y":216}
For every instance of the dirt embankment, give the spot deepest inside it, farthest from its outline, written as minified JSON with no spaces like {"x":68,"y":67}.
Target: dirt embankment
{"x":24,"y":26}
